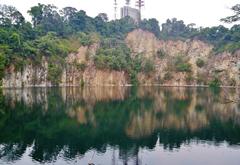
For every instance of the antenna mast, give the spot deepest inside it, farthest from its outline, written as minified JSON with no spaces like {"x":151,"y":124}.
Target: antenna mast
{"x":115,"y":9}
{"x":140,"y":4}
{"x":127,"y":2}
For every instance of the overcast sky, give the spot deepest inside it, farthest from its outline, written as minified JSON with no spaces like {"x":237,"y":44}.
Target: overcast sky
{"x":202,"y":12}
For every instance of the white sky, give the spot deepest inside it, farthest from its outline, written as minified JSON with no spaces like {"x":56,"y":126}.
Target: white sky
{"x":202,"y":12}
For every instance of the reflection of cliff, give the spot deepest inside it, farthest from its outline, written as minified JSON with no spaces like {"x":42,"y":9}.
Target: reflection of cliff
{"x":177,"y":108}
{"x":73,"y":120}
{"x":181,"y":109}
{"x":91,"y":95}
{"x":28,"y":96}
{"x":142,"y":125}
{"x":82,"y":115}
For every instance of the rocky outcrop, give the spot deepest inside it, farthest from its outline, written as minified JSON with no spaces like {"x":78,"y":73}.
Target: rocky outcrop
{"x":80,"y":68}
{"x":88,"y":74}
{"x":142,"y":42}
{"x":29,"y":76}
{"x":225,"y":67}
{"x":164,"y":54}
{"x":95,"y":77}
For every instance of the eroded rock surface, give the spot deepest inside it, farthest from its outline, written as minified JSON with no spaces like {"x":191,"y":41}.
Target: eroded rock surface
{"x":80,"y":68}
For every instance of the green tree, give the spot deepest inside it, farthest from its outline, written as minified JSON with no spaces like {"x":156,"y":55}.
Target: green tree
{"x":46,"y":18}
{"x":68,"y":13}
{"x":37,"y":14}
{"x":81,"y":22}
{"x":10,"y":16}
{"x":101,"y":24}
{"x":50,"y":45}
{"x":177,"y":29}
{"x":148,"y":66}
{"x":151,"y":25}
{"x":103,"y":16}
{"x":235,"y":17}
{"x":15,"y":41}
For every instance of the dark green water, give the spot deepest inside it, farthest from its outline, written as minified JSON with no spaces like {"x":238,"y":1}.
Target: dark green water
{"x":110,"y":125}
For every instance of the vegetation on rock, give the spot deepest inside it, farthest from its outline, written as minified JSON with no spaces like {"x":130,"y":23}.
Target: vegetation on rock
{"x":2,"y":67}
{"x":55,"y":70}
{"x":55,"y":33}
{"x":181,"y":64}
{"x":200,"y":63}
{"x":148,"y":66}
{"x":215,"y":83}
{"x":161,"y":54}
{"x":117,"y":58}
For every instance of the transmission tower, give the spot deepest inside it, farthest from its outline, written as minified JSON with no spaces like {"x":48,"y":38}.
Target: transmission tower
{"x":140,"y":4}
{"x":127,"y":2}
{"x":115,"y":9}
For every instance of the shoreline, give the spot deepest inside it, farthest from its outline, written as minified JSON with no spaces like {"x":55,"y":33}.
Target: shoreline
{"x":127,"y":85}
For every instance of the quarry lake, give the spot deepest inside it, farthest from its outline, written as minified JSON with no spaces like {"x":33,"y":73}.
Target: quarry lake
{"x":119,"y":125}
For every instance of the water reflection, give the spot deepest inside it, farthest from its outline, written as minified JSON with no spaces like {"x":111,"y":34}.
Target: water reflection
{"x":70,"y":122}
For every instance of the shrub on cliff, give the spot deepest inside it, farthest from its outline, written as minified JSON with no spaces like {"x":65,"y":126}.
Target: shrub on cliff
{"x":161,"y":53}
{"x":116,"y":58}
{"x":2,"y":66}
{"x":200,"y":63}
{"x":183,"y":67}
{"x":181,"y":64}
{"x":55,"y":70}
{"x":52,"y":45}
{"x":19,"y":63}
{"x":87,"y":39}
{"x":148,"y":66}
{"x":82,"y":66}
{"x":215,"y":83}
{"x":168,"y":76}
{"x":136,"y":63}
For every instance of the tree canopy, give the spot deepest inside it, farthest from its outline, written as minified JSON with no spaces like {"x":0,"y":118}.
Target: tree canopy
{"x":235,"y":17}
{"x":54,"y":31}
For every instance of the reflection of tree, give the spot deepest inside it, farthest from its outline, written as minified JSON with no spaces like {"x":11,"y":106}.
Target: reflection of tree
{"x":11,"y":152}
{"x":73,"y":121}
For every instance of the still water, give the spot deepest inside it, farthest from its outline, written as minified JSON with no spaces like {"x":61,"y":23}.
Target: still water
{"x":119,"y":125}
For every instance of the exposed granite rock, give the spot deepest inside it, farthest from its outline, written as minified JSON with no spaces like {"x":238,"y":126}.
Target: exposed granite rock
{"x":80,"y":68}
{"x":30,"y":76}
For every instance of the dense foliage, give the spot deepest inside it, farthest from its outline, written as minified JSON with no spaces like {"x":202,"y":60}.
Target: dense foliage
{"x":116,"y":57}
{"x":222,"y":38}
{"x":55,"y":32}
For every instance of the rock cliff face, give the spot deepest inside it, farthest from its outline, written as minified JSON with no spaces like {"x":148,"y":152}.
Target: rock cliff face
{"x":72,"y":74}
{"x":29,"y":76}
{"x":80,"y":68}
{"x":222,"y":66}
{"x":226,"y":67}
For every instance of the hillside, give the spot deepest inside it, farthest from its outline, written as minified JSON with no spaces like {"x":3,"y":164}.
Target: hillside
{"x":66,"y":47}
{"x":151,"y":62}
